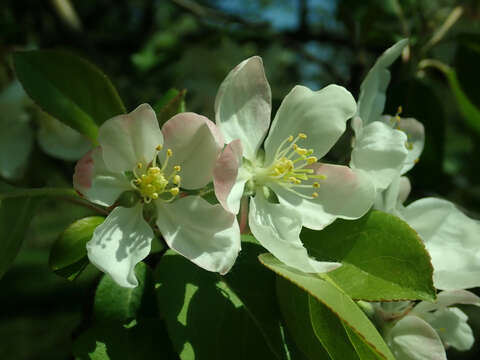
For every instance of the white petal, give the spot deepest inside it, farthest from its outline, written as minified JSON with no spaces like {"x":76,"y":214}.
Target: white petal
{"x":277,"y":228}
{"x":416,"y":138}
{"x":130,"y":138}
{"x":448,"y":298}
{"x":120,"y":243}
{"x":391,"y":200}
{"x":243,"y":105}
{"x":451,"y":238}
{"x":321,"y":115}
{"x":372,"y":90}
{"x":381,"y":152}
{"x":451,"y":325}
{"x":195,"y":142}
{"x":205,"y":234}
{"x":230,"y":177}
{"x":343,"y":194}
{"x":97,"y":183}
{"x":414,"y":339}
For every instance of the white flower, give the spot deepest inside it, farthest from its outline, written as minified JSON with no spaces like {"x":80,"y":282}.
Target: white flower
{"x":309,"y":193}
{"x":425,"y":330}
{"x":128,"y":160}
{"x":380,"y":148}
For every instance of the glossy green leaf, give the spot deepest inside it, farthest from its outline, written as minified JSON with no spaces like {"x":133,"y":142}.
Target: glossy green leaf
{"x":68,"y":256}
{"x":115,"y":304}
{"x":294,"y":303}
{"x":69,"y":88}
{"x":330,"y":295}
{"x":364,"y":352}
{"x":206,"y":319}
{"x":170,"y":104}
{"x":383,"y":258}
{"x":15,"y":216}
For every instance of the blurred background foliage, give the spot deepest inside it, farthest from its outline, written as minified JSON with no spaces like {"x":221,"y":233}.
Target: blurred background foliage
{"x":150,"y":46}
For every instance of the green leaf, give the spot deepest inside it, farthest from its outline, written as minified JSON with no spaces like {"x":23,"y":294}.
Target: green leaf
{"x":467,"y":58}
{"x":170,"y":104}
{"x":383,"y":258}
{"x":206,"y":319}
{"x":364,"y":352}
{"x":470,"y":113}
{"x":69,"y":88}
{"x":330,"y":295}
{"x":294,"y":304}
{"x":143,"y":340}
{"x":115,"y":304}
{"x":15,"y":216}
{"x":68,"y":256}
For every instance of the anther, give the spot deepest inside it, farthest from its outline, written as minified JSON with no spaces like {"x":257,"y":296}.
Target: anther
{"x":399,"y":110}
{"x":159,"y":147}
{"x":292,"y":179}
{"x":295,"y":147}
{"x":155,"y":196}
{"x":290,"y":138}
{"x":169,"y":152}
{"x":177,"y":168}
{"x":315,"y":194}
{"x":176,"y":179}
{"x":311,"y":160}
{"x":302,"y":136}
{"x":316,"y":185}
{"x":139,"y":165}
{"x":174,"y":191}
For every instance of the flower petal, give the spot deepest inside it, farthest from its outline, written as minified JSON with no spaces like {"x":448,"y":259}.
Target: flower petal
{"x":343,"y":194}
{"x":415,"y":134}
{"x":97,"y":183}
{"x":321,"y":115}
{"x":130,"y":138}
{"x":451,"y":238}
{"x":229,"y":177}
{"x":448,"y":298}
{"x":372,"y":90}
{"x":120,"y":243}
{"x":205,"y":234}
{"x":277,"y":228}
{"x":381,"y":152}
{"x":451,"y":325}
{"x":195,"y":142}
{"x":412,"y":338}
{"x":243,"y":105}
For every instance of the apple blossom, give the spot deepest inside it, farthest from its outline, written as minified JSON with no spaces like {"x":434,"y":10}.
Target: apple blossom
{"x":423,"y":331}
{"x":288,"y":188}
{"x":134,"y":156}
{"x":379,"y":147}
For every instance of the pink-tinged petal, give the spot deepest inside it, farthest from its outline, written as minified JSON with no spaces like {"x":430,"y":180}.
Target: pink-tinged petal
{"x":229,"y":177}
{"x":82,"y":177}
{"x":96,"y":182}
{"x":243,"y":105}
{"x":344,"y":193}
{"x":322,"y":115}
{"x":130,"y":138}
{"x":195,"y":142}
{"x":205,"y":234}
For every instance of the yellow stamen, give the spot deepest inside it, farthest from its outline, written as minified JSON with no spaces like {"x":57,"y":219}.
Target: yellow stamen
{"x":177,"y":168}
{"x":316,"y":185}
{"x":174,"y":191}
{"x":311,"y":160}
{"x":315,"y":194}
{"x":139,"y":165}
{"x":302,"y":136}
{"x":290,"y":138}
{"x":176,"y":179}
{"x":169,"y":152}
{"x":159,"y":147}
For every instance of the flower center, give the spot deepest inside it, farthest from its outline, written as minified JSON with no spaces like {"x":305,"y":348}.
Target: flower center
{"x":151,"y":181}
{"x":289,"y":168}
